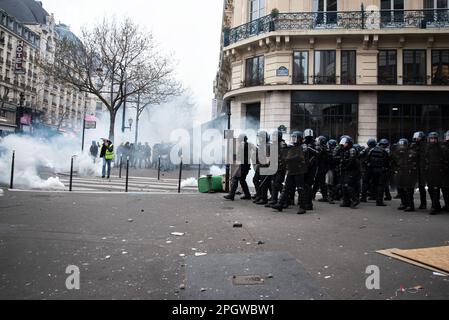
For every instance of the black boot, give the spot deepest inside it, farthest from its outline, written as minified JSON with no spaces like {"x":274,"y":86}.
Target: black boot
{"x":229,"y":197}
{"x":301,"y":211}
{"x":278,"y":206}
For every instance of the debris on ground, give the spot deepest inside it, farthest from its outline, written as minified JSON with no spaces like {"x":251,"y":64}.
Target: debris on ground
{"x":182,"y":287}
{"x":130,"y":220}
{"x":178,"y":234}
{"x":260,"y":243}
{"x":439,"y":274}
{"x":107,"y":257}
{"x":199,"y":254}
{"x":237,"y":225}
{"x":270,"y":276}
{"x":203,"y":289}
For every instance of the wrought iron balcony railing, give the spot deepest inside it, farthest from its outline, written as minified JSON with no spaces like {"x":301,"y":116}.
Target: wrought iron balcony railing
{"x":384,"y":19}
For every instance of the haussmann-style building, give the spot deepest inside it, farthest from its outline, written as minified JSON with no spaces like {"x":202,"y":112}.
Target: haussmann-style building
{"x":370,"y":68}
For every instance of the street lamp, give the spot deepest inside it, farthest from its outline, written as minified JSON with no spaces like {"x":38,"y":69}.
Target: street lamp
{"x":19,"y":113}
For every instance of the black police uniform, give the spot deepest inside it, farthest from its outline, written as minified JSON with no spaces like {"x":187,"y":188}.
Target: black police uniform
{"x":378,"y":164}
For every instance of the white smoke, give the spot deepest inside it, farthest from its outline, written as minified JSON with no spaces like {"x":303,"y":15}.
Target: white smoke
{"x":217,"y":171}
{"x":190,"y":182}
{"x":38,"y":161}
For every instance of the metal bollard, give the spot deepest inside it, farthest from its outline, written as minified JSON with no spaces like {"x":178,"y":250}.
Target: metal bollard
{"x":180,"y":176}
{"x":71,"y":175}
{"x":121,"y":164}
{"x":11,"y":185}
{"x":159,"y":169}
{"x":127,"y":174}
{"x":199,"y":170}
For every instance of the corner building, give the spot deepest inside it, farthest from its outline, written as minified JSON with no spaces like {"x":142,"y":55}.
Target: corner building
{"x":371,"y":68}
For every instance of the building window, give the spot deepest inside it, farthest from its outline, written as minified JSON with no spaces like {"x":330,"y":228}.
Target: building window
{"x":254,"y":71}
{"x":300,"y":67}
{"x":434,"y":12}
{"x":387,"y":67}
{"x":397,"y":121}
{"x":325,"y":67}
{"x":348,"y":67}
{"x":392,"y":12}
{"x":415,"y":67}
{"x":326,"y":11}
{"x":257,"y":9}
{"x":330,"y":120}
{"x":440,"y":67}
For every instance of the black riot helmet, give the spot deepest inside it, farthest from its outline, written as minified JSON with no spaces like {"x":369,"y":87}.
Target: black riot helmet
{"x":371,"y":143}
{"x":403,"y":143}
{"x":309,"y":135}
{"x":384,"y":143}
{"x":332,"y":143}
{"x":433,"y":137}
{"x":346,"y":141}
{"x":418,"y":136}
{"x":321,"y":141}
{"x":297,"y":137}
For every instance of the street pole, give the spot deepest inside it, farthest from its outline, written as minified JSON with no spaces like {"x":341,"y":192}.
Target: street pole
{"x":71,"y":175}
{"x":159,"y":168}
{"x":127,"y":174}
{"x":137,"y":120}
{"x":228,"y":166}
{"x":180,"y":176}
{"x":121,"y":163}
{"x":11,"y":185}
{"x":124,"y":108}
{"x":84,"y":129}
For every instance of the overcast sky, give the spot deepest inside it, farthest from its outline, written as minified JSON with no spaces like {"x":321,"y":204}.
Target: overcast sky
{"x":190,"y":29}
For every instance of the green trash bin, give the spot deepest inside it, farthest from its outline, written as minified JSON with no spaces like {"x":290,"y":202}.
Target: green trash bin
{"x":210,"y":184}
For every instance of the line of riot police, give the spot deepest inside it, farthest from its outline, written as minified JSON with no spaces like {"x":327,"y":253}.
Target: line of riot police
{"x":347,"y":172}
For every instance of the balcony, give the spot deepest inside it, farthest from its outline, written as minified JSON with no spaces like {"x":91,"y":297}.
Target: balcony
{"x":341,"y":20}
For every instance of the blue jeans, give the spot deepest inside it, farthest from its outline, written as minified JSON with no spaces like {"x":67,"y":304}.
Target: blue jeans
{"x":106,"y":163}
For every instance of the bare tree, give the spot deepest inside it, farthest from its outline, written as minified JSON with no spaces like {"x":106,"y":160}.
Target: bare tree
{"x":114,"y":61}
{"x":157,"y":93}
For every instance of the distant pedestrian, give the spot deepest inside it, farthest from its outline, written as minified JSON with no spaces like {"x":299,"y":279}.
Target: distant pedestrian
{"x":94,"y":150}
{"x":107,"y":153}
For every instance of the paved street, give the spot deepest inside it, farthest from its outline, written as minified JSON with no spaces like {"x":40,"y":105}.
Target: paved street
{"x":124,"y":247}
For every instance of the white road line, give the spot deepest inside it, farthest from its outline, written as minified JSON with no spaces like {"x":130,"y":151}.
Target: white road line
{"x":102,"y":192}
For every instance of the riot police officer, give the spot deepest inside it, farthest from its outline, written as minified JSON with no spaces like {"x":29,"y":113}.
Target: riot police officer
{"x":435,"y":158}
{"x":366,"y":176}
{"x":311,"y":156}
{"x":404,"y":163}
{"x":419,"y":144}
{"x":378,"y":163}
{"x":349,"y":172}
{"x":296,"y":169}
{"x":332,"y":176}
{"x":323,"y":168}
{"x":445,"y":188}
{"x":241,"y":172}
{"x":279,"y":177}
{"x":265,"y":180}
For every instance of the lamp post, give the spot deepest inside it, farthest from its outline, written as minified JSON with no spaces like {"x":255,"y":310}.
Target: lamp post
{"x":19,"y":113}
{"x":228,"y":166}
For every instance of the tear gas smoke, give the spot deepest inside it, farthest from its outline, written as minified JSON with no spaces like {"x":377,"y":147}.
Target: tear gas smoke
{"x":38,"y":160}
{"x":190,"y":182}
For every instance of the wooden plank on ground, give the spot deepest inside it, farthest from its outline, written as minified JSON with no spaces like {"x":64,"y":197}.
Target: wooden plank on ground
{"x":437,"y":257}
{"x":389,"y":253}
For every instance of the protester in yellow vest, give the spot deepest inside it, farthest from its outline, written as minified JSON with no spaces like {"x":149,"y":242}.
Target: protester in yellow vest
{"x":107,"y":153}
